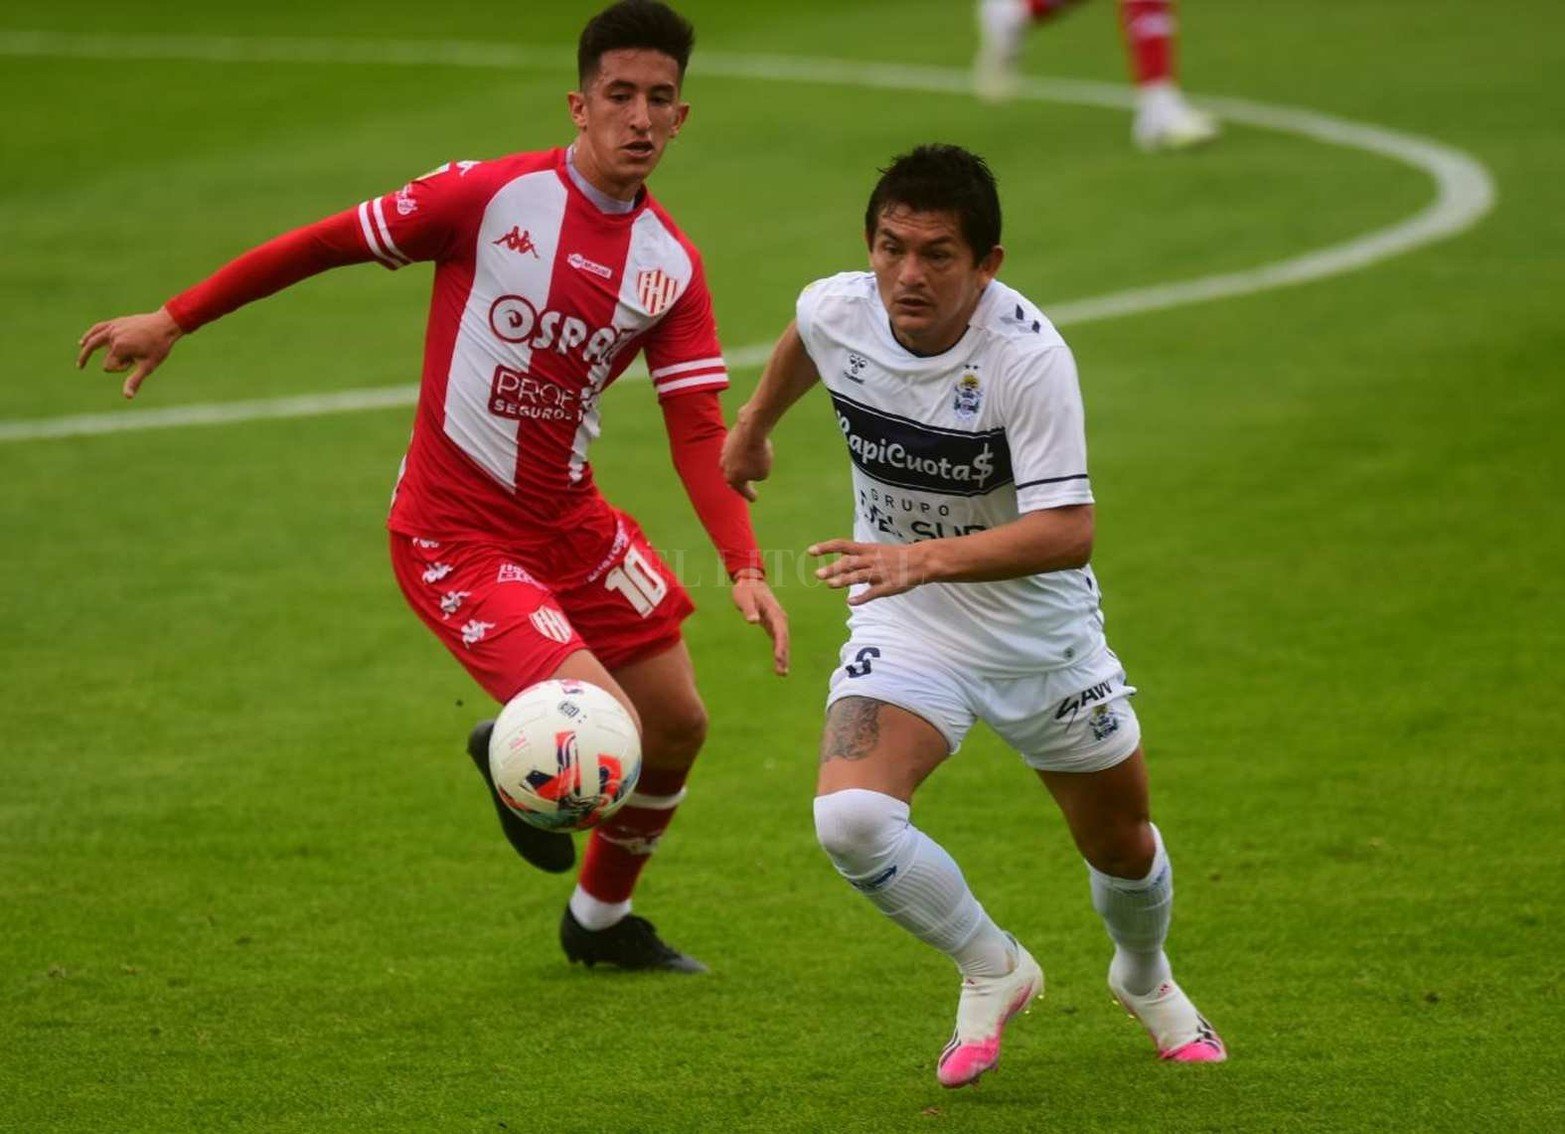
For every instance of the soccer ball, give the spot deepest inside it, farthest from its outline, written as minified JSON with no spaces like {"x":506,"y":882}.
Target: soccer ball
{"x":564,"y":755}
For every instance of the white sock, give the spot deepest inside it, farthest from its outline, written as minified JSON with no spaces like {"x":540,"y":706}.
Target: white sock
{"x":594,"y":914}
{"x":910,"y":878}
{"x":1159,"y":100}
{"x":1136,"y":913}
{"x":1002,"y":25}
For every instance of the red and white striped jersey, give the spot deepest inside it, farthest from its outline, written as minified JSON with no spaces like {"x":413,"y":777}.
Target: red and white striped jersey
{"x":541,"y":299}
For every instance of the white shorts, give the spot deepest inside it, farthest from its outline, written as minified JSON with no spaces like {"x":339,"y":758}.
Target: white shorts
{"x":1075,"y":719}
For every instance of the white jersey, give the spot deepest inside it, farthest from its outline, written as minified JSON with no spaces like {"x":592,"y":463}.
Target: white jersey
{"x":954,"y":444}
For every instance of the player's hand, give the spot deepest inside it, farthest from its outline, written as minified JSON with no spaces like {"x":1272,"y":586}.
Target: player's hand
{"x":760,"y":607}
{"x":138,"y":343}
{"x":886,"y":568}
{"x":747,"y":457}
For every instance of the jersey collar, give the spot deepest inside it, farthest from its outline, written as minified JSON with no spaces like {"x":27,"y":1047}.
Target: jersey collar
{"x":599,"y":200}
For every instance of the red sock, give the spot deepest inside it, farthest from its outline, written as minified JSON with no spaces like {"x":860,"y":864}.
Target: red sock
{"x":1043,"y":9}
{"x":622,"y":843}
{"x":1149,"y":38}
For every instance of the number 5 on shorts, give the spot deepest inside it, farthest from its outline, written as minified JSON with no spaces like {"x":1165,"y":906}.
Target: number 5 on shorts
{"x":638,"y":582}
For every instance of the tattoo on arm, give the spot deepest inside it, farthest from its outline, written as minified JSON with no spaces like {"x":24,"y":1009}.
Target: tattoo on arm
{"x":852,"y":729}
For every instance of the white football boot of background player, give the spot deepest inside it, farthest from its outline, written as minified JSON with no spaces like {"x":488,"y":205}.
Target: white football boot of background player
{"x":1166,"y":121}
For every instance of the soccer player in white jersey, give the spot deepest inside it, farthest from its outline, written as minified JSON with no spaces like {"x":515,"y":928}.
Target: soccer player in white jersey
{"x":1165,"y":120}
{"x":553,"y":270}
{"x":970,"y":595}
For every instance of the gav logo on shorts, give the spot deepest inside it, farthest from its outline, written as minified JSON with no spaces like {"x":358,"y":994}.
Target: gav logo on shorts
{"x":1076,"y":702}
{"x":909,"y":454}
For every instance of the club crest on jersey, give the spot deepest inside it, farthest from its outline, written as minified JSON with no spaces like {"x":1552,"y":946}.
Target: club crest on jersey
{"x":969,"y":398}
{"x":656,"y":289}
{"x":551,"y":624}
{"x":519,"y":241}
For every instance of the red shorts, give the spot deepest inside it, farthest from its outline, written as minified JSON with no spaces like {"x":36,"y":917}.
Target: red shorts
{"x":511,"y":629}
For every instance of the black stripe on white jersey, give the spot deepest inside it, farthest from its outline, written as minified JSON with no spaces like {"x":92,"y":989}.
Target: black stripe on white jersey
{"x":904,"y":453}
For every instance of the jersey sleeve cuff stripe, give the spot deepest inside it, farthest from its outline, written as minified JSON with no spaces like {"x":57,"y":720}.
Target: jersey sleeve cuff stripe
{"x":717,"y":380}
{"x":707,"y":372}
{"x":686,"y":367}
{"x":368,"y":231}
{"x":385,"y":234}
{"x":1050,"y":480}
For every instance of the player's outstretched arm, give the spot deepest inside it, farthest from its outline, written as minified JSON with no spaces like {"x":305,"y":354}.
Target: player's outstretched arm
{"x":138,"y":343}
{"x":1051,"y":539}
{"x":789,"y":374}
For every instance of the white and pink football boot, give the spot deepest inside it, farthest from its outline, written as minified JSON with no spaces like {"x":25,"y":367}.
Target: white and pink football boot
{"x":1181,"y":1034}
{"x":987,"y":1004}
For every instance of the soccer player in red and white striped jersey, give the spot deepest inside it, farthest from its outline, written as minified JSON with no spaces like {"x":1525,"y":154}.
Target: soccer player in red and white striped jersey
{"x":1164,"y":119}
{"x":553,"y":271}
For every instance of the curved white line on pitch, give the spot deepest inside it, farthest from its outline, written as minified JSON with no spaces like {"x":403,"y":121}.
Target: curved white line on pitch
{"x":1464,"y":191}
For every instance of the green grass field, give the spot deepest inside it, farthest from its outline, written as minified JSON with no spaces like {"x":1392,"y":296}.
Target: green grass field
{"x":248,"y":880}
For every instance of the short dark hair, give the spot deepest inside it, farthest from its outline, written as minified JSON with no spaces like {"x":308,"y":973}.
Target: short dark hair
{"x":631,"y":24}
{"x":945,"y":179}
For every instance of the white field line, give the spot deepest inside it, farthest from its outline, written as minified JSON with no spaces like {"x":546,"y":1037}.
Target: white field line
{"x":1464,"y":191}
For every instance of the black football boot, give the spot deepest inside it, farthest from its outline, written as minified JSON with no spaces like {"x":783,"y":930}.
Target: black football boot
{"x":630,"y":943}
{"x":553,"y":851}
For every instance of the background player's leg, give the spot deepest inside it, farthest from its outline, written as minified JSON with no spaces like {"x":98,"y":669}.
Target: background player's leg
{"x":1002,"y":28}
{"x":1133,"y":891}
{"x":873,"y":757}
{"x":662,"y":690}
{"x":1164,"y":120}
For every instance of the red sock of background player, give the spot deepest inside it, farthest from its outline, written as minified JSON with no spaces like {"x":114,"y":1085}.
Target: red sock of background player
{"x":620,"y":846}
{"x":1043,"y":9}
{"x":1149,"y":39}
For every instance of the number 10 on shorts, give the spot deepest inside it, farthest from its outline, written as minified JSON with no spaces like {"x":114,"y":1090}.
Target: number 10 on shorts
{"x":638,"y":582}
